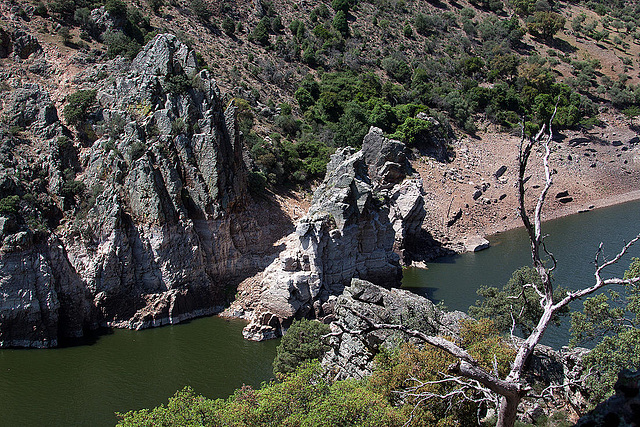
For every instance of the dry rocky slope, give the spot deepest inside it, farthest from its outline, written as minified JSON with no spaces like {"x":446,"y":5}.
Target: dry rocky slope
{"x":170,"y":222}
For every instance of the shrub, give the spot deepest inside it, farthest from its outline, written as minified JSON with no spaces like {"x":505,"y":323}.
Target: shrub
{"x":116,"y":8}
{"x":78,"y":104}
{"x":276,"y":24}
{"x":63,"y":8}
{"x":9,"y":205}
{"x":340,"y":23}
{"x":397,"y":69}
{"x":340,"y":5}
{"x":288,"y":124}
{"x":260,"y":33}
{"x":546,"y":24}
{"x":411,"y":129}
{"x":178,"y":84}
{"x":156,"y":5}
{"x":300,"y":344}
{"x":118,"y":43}
{"x":41,"y":10}
{"x":201,"y":10}
{"x":229,"y":25}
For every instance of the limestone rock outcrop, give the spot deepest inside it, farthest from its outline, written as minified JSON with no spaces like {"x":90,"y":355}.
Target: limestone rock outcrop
{"x":351,"y":356}
{"x":359,"y":225}
{"x":149,"y":205}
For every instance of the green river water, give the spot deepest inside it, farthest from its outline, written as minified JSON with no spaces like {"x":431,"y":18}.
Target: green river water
{"x":83,"y":385}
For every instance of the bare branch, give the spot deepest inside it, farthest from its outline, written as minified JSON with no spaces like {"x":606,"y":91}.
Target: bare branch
{"x":547,"y":393}
{"x":600,"y":282}
{"x":467,"y":366}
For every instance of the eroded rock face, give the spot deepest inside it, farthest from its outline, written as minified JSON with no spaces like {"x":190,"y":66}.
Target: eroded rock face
{"x":351,"y":356}
{"x":148,"y":208}
{"x":357,"y":226}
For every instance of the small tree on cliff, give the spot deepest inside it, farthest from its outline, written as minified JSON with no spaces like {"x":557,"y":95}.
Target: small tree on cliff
{"x":512,"y":388}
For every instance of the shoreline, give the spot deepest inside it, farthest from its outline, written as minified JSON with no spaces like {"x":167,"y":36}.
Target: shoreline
{"x":615,"y":199}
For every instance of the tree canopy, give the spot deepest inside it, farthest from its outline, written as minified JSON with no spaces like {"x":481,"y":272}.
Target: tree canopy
{"x":612,"y":320}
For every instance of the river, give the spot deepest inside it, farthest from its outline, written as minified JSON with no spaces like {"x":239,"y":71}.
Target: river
{"x":83,"y":385}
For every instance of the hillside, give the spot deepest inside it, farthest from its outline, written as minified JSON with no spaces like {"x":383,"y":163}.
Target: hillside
{"x":306,"y":81}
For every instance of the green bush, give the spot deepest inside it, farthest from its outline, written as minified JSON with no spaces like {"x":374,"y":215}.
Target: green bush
{"x":301,"y":343}
{"x":118,"y":43}
{"x":340,"y":23}
{"x":201,"y":10}
{"x":611,"y":319}
{"x":545,"y":24}
{"x":78,"y":106}
{"x":116,"y":8}
{"x":341,"y":5}
{"x":412,"y":128}
{"x":408,"y":31}
{"x":9,"y":205}
{"x":303,"y":398}
{"x":41,"y":10}
{"x":229,"y":25}
{"x":500,"y":307}
{"x":260,"y":33}
{"x":178,"y":84}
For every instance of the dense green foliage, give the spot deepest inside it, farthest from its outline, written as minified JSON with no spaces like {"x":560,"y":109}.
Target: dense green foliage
{"x":514,"y":301}
{"x":9,"y":205}
{"x":78,"y":106}
{"x":303,"y":398}
{"x":301,"y":343}
{"x":612,"y":320}
{"x":126,"y":39}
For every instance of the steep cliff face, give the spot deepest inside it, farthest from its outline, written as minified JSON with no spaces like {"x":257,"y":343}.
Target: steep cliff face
{"x":148,"y":207}
{"x":357,"y":226}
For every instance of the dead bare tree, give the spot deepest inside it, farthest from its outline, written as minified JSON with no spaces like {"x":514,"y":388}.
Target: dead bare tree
{"x":512,"y":389}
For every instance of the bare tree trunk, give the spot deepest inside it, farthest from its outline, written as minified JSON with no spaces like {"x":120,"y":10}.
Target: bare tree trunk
{"x":508,"y":410}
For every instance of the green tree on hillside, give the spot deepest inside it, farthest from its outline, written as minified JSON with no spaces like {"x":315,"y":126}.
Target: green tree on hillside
{"x":546,"y":24}
{"x":78,"y":106}
{"x":612,"y":319}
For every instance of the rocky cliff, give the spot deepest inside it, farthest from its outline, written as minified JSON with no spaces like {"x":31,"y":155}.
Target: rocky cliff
{"x":359,"y":225}
{"x":351,"y":355}
{"x":138,"y":218}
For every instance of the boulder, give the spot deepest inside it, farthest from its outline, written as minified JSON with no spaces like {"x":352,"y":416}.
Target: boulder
{"x":30,"y":105}
{"x":351,"y":356}
{"x":501,"y":170}
{"x":24,"y":44}
{"x":475,"y":244}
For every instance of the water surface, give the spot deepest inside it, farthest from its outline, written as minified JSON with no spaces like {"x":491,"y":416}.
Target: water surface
{"x":573,"y":240}
{"x":84,"y":385}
